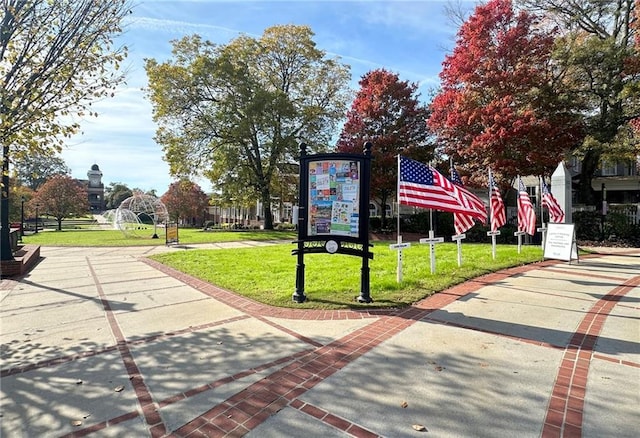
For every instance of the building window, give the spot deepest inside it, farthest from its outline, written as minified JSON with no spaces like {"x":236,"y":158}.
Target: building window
{"x":609,"y":169}
{"x":532,"y":191}
{"x":575,"y":164}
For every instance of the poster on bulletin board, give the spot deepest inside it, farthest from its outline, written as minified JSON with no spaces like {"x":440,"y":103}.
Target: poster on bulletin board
{"x":334,"y":198}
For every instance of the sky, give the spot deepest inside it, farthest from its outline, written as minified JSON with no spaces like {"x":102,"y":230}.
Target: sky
{"x":410,"y":38}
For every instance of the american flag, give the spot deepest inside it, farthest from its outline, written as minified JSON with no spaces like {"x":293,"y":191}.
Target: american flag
{"x":526,"y":213}
{"x":462,"y":222}
{"x":423,"y":186}
{"x":556,"y":214}
{"x":498,"y":213}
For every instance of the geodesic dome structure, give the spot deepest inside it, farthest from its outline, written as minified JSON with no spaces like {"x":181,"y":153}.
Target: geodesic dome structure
{"x":138,"y":213}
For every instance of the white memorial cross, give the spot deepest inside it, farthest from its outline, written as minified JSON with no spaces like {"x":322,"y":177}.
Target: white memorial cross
{"x":519,"y":235}
{"x":432,"y":250}
{"x":543,"y":231}
{"x":458,"y":238}
{"x":399,"y":246}
{"x":493,"y":235}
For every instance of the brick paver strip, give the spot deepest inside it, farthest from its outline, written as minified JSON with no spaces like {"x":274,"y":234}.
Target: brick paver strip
{"x":249,"y":408}
{"x":149,"y":409}
{"x":324,"y":361}
{"x":565,"y":409}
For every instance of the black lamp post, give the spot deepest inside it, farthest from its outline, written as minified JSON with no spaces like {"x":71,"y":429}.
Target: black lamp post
{"x":22,"y":217}
{"x":37,"y":205}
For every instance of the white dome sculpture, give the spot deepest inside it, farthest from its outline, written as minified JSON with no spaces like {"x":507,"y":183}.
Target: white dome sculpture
{"x":109,"y":217}
{"x":138,"y":212}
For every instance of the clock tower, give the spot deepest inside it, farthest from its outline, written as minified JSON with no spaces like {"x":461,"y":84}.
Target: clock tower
{"x":95,"y":189}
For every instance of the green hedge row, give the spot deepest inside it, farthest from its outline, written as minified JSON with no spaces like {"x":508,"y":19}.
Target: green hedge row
{"x":589,"y":226}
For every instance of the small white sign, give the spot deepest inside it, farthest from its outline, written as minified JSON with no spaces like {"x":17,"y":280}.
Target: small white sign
{"x":560,"y":242}
{"x":432,"y":240}
{"x":400,"y":245}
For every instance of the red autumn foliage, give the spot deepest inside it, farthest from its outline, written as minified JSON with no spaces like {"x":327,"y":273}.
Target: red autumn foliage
{"x":185,"y":200}
{"x":498,"y":106}
{"x":386,"y":111}
{"x":61,"y":197}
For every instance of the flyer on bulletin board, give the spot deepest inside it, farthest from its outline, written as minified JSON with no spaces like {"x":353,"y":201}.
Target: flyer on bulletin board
{"x":334,"y":188}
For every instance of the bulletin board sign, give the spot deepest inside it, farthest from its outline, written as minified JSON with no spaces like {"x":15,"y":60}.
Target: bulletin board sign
{"x":560,"y":242}
{"x":333,"y":211}
{"x":334,"y":197}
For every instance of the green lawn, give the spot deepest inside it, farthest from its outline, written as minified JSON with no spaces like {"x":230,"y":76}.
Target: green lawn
{"x":267,"y":274}
{"x":143,"y":237}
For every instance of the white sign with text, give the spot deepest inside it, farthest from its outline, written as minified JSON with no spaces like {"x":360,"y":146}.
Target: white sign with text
{"x":560,"y":242}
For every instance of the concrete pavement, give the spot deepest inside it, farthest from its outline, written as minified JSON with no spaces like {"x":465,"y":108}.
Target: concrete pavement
{"x":119,"y":345}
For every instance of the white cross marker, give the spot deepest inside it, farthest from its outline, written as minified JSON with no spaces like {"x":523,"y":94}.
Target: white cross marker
{"x":399,"y":246}
{"x":493,"y":235}
{"x":458,"y":239}
{"x":543,"y":231}
{"x":519,"y":234}
{"x":432,"y":248}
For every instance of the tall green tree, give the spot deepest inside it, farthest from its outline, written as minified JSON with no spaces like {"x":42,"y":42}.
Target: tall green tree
{"x":33,"y":170}
{"x":599,"y":60}
{"x":501,"y":105}
{"x":236,"y":112}
{"x":387,"y":111}
{"x":62,"y":197}
{"x":57,"y":57}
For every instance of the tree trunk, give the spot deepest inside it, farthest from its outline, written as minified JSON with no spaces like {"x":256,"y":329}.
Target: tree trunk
{"x":6,"y":253}
{"x":266,"y":205}
{"x":59,"y":224}
{"x":589,"y":166}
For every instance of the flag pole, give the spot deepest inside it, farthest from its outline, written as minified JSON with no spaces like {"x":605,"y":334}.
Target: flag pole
{"x":457,"y":237}
{"x":398,"y":235}
{"x":519,"y":233}
{"x":492,"y":214}
{"x":543,"y":225}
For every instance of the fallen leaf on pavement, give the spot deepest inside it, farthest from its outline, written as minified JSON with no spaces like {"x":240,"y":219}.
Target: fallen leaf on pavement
{"x":419,"y":427}
{"x":404,"y":404}
{"x":118,"y":388}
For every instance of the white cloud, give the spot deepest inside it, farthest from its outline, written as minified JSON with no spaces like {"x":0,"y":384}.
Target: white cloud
{"x":406,"y":37}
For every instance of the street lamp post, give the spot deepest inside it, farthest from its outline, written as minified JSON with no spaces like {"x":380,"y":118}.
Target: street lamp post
{"x":37,"y":205}
{"x":22,"y":217}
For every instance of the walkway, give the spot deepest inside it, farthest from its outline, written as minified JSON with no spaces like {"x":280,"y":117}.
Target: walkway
{"x":121,"y":346}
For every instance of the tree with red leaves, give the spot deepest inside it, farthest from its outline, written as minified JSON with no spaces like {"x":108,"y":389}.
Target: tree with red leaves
{"x":634,"y":64}
{"x":387,"y":112}
{"x":61,"y":197}
{"x":500,"y":105}
{"x":186,"y":201}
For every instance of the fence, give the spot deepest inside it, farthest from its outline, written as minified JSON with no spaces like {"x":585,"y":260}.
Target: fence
{"x":631,"y":211}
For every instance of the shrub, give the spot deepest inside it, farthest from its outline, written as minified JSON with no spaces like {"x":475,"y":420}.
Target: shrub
{"x":375,"y":223}
{"x":588,"y":225}
{"x":285,"y":226}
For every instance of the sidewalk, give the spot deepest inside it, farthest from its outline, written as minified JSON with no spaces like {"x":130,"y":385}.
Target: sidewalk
{"x":121,"y":346}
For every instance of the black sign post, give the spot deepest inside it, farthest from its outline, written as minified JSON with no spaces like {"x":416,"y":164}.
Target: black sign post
{"x":333,"y":215}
